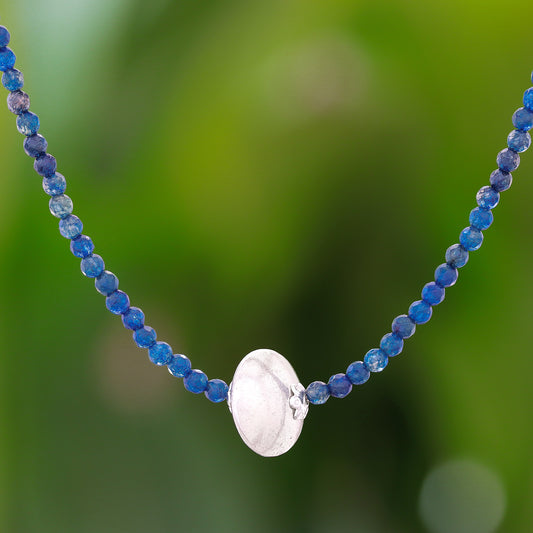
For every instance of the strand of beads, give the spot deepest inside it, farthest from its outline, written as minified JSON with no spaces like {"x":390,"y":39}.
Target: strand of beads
{"x":70,"y":227}
{"x":470,"y":239}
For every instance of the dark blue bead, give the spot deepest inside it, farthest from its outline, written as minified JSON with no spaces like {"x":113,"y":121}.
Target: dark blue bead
{"x":18,"y":102}
{"x":217,"y":390}
{"x":7,"y":58}
{"x":71,"y":227}
{"x":60,"y":206}
{"x":92,"y":266}
{"x":528,"y":99}
{"x":481,"y":218}
{"x":45,"y":165}
{"x":456,"y":256}
{"x":508,"y":160}
{"x":519,"y":141}
{"x":445,"y":275}
{"x":195,"y":381}
{"x":358,"y":373}
{"x":391,"y":344}
{"x":523,"y":119}
{"x":179,"y":366}
{"x":487,"y":197}
{"x":376,"y":360}
{"x":144,"y":337}
{"x":35,"y":145}
{"x":339,"y":386}
{"x":118,"y":302}
{"x":420,"y":312}
{"x":4,"y":36}
{"x":403,"y":326}
{"x":81,"y":246}
{"x":471,"y":238}
{"x":317,"y":393}
{"x":160,"y":353}
{"x":55,"y":185}
{"x":133,"y":318}
{"x":106,"y":283}
{"x":13,"y":79}
{"x":500,"y":180}
{"x":432,"y":293}
{"x":28,"y":123}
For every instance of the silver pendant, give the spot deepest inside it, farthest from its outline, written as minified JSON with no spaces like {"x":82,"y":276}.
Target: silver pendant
{"x":267,"y":402}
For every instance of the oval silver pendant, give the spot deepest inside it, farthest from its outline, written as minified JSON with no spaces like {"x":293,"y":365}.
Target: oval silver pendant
{"x":267,"y":402}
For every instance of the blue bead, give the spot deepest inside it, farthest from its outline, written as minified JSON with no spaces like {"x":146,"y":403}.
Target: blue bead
{"x":60,"y":206}
{"x":179,"y":366}
{"x":92,"y":266}
{"x":519,"y":141}
{"x":523,"y":119}
{"x":81,"y":246}
{"x":144,"y":337}
{"x":508,"y":160}
{"x":13,"y":79}
{"x":391,"y":344}
{"x":420,"y":312}
{"x":4,"y":36}
{"x":500,"y":180}
{"x":195,"y":381}
{"x":403,"y":326}
{"x":528,"y":99}
{"x":160,"y":353}
{"x":133,"y":318}
{"x":487,"y":197}
{"x":358,"y":373}
{"x":471,"y":238}
{"x":70,"y":227}
{"x":217,"y":390}
{"x":18,"y":102}
{"x":456,"y":256}
{"x":317,"y":393}
{"x":481,"y":218}
{"x":45,"y":165}
{"x":445,"y":275}
{"x":376,"y":360}
{"x":106,"y":283}
{"x":28,"y":123}
{"x":339,"y":386}
{"x":7,"y":58}
{"x":118,"y":302}
{"x":35,"y":145}
{"x":432,"y":293}
{"x":55,"y":185}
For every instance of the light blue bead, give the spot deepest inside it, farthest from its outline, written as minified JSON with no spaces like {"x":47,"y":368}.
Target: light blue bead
{"x":456,"y":256}
{"x":60,"y":206}
{"x":117,"y":302}
{"x":519,"y":141}
{"x":133,"y":318}
{"x":160,"y":353}
{"x":523,"y":119}
{"x":81,"y":246}
{"x":179,"y":366}
{"x":528,"y":99}
{"x":339,"y":386}
{"x":471,"y":238}
{"x":317,"y":393}
{"x":487,"y":197}
{"x":18,"y":102}
{"x":391,"y":344}
{"x":403,"y":326}
{"x":195,"y":381}
{"x":432,"y":293}
{"x":106,"y":283}
{"x":28,"y":123}
{"x":376,"y":360}
{"x":445,"y":275}
{"x":217,"y":390}
{"x":500,"y":180}
{"x":358,"y":373}
{"x":420,"y":312}
{"x":4,"y":36}
{"x":70,"y":227}
{"x":508,"y":160}
{"x":92,"y":266}
{"x":13,"y":79}
{"x":55,"y":185}
{"x":481,"y":218}
{"x":7,"y":58}
{"x":144,"y":337}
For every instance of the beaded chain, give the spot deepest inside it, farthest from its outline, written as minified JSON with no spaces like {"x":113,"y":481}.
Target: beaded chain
{"x":160,"y":353}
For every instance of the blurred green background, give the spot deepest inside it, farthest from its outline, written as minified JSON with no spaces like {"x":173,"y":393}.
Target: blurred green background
{"x":282,"y":174}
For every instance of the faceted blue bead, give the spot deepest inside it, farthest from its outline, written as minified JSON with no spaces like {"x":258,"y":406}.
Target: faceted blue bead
{"x":106,"y":283}
{"x":471,"y":238}
{"x":13,"y":79}
{"x":61,"y":206}
{"x":35,"y":145}
{"x":133,"y":318}
{"x":391,"y":344}
{"x":81,"y":246}
{"x":144,"y":337}
{"x":432,"y":293}
{"x":28,"y":123}
{"x":500,"y":180}
{"x":420,"y":312}
{"x":376,"y":360}
{"x":528,"y":99}
{"x":18,"y":102}
{"x":7,"y":58}
{"x":481,"y":218}
{"x":195,"y":381}
{"x":508,"y":160}
{"x":317,"y":393}
{"x":92,"y":266}
{"x":519,"y":141}
{"x":217,"y":390}
{"x":45,"y":165}
{"x":487,"y":197}
{"x":55,"y":185}
{"x":523,"y":119}
{"x":4,"y":36}
{"x":339,"y":386}
{"x":456,"y":256}
{"x":445,"y":275}
{"x":358,"y":373}
{"x":179,"y":366}
{"x":160,"y":353}
{"x":117,"y":302}
{"x":403,"y":326}
{"x":71,"y":227}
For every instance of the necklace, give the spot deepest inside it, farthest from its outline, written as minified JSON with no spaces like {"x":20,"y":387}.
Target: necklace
{"x":265,"y":397}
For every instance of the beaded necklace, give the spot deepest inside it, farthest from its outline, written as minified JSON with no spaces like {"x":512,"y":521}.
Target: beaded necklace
{"x":265,"y":397}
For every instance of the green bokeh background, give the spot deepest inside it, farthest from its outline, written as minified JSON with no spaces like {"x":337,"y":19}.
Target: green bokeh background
{"x":282,"y":174}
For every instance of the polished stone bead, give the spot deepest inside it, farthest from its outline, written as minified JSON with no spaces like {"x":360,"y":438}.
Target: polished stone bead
{"x":445,"y":275}
{"x":81,"y":246}
{"x":4,"y":36}
{"x":508,"y":160}
{"x":528,"y":99}
{"x":160,"y":353}
{"x":195,"y":381}
{"x":519,"y":141}
{"x":456,"y":256}
{"x":317,"y":393}
{"x":61,"y":206}
{"x":217,"y":390}
{"x":339,"y":386}
{"x":391,"y":344}
{"x":118,"y":302}
{"x":487,"y":197}
{"x":432,"y":293}
{"x":471,"y":238}
{"x":55,"y":185}
{"x":13,"y":79}
{"x":133,"y":318}
{"x":500,"y":180}
{"x":7,"y":58}
{"x":179,"y":366}
{"x":106,"y":283}
{"x":420,"y":312}
{"x":45,"y":165}
{"x":18,"y":102}
{"x":358,"y":373}
{"x":523,"y":119}
{"x":35,"y":145}
{"x":92,"y":266}
{"x":376,"y":360}
{"x":144,"y":337}
{"x":403,"y":326}
{"x":481,"y":218}
{"x":28,"y":123}
{"x":70,"y":227}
